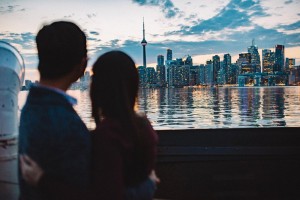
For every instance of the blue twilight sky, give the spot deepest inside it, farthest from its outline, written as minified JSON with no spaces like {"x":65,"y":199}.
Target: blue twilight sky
{"x":200,"y":28}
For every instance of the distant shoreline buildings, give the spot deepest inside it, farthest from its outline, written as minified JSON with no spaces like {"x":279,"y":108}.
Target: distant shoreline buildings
{"x":248,"y":70}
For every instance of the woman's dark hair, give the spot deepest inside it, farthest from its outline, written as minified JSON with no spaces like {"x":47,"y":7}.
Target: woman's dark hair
{"x":61,"y":46}
{"x":114,"y":88}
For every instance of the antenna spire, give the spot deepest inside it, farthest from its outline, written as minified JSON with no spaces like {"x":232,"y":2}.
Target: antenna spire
{"x":143,"y":29}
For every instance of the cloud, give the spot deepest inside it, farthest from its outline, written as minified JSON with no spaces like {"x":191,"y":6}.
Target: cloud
{"x":69,"y":16}
{"x":91,"y":15}
{"x":237,"y":43}
{"x":25,"y":43}
{"x":238,"y":13}
{"x":293,"y":26}
{"x":25,"y":40}
{"x":166,"y":6}
{"x":92,"y":39}
{"x":10,"y":9}
{"x":94,"y":33}
{"x":288,"y":2}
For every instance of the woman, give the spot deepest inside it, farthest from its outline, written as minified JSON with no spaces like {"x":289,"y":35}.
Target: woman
{"x":124,"y":143}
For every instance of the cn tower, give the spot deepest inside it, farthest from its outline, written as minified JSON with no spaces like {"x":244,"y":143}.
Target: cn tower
{"x":144,"y":43}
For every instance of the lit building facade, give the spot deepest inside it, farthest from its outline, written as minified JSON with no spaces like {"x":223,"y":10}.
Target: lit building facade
{"x":142,"y":75}
{"x":279,"y":58}
{"x":169,"y":54}
{"x":216,"y":68}
{"x":244,"y":63}
{"x":161,"y":71}
{"x":255,"y":58}
{"x":150,"y":75}
{"x":268,"y":60}
{"x":227,"y":68}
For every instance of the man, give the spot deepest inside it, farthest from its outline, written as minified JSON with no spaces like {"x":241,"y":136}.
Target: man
{"x":51,"y":132}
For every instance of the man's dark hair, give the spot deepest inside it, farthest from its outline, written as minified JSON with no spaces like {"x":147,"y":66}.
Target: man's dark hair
{"x":61,"y":46}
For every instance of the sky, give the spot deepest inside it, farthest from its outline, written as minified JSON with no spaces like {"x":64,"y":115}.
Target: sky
{"x":188,"y":27}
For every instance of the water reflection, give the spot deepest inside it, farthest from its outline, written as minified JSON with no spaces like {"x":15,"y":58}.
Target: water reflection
{"x":224,"y":107}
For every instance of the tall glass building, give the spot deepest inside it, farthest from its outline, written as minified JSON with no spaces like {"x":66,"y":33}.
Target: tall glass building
{"x":255,"y":58}
{"x":279,"y":58}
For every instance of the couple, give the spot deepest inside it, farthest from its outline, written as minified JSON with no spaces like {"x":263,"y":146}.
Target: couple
{"x":59,"y":158}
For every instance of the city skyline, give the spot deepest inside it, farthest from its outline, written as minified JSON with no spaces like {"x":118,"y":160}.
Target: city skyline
{"x":200,"y":29}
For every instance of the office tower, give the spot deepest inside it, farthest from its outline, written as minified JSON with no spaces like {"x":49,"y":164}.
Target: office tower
{"x":216,"y":68}
{"x":279,"y":58}
{"x":144,"y":43}
{"x":161,"y":71}
{"x":227,"y":68}
{"x":209,"y":73}
{"x":160,"y":60}
{"x":202,"y":74}
{"x":194,"y":75}
{"x":188,"y":64}
{"x":151,"y":76}
{"x":244,"y":63}
{"x":255,"y":58}
{"x":168,"y":64}
{"x":169,"y":54}
{"x":180,"y":73}
{"x":290,"y":63}
{"x":221,"y":74}
{"x":179,"y":61}
{"x":177,"y":73}
{"x":268,"y":60}
{"x":142,"y":75}
{"x":171,"y":74}
{"x":188,"y":61}
{"x":234,"y":74}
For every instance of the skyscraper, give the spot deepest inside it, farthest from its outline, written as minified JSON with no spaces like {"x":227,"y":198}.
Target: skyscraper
{"x":169,"y":72}
{"x":188,"y":61}
{"x":268,"y":60}
{"x":290,"y":63}
{"x":150,"y":75}
{"x":144,"y":43}
{"x":227,"y":68}
{"x":244,"y":63}
{"x":169,"y":54}
{"x":255,"y":58}
{"x":160,"y":60}
{"x":209,"y":73}
{"x":279,"y":58}
{"x":161,"y":71}
{"x":142,"y":76}
{"x":216,"y":68}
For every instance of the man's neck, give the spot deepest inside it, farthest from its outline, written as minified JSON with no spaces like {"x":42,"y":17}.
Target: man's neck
{"x":59,"y":84}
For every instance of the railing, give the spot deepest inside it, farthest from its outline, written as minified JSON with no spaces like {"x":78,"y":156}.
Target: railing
{"x":245,"y":163}
{"x":258,"y":163}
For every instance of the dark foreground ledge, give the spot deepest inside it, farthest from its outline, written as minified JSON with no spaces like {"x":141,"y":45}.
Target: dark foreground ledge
{"x":246,"y":163}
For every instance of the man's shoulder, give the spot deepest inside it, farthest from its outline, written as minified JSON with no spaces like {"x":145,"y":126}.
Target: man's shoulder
{"x":53,"y":120}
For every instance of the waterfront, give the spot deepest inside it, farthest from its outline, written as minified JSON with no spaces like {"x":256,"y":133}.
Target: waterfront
{"x":199,"y":108}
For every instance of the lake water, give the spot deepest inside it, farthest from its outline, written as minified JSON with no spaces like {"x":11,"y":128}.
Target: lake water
{"x":223,"y":107}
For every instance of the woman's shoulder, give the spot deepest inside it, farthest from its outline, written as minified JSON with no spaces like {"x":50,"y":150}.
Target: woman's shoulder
{"x":144,"y":125}
{"x":107,"y":129}
{"x":142,"y":119}
{"x":110,"y":132}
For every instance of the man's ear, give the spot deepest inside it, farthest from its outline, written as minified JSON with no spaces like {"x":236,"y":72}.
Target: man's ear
{"x":80,"y":69}
{"x":83,"y":64}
